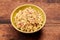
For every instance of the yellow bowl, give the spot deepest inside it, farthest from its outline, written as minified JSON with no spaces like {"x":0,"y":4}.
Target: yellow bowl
{"x":22,"y":7}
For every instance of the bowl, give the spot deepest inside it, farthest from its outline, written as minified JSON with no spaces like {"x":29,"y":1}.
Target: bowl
{"x":22,"y":7}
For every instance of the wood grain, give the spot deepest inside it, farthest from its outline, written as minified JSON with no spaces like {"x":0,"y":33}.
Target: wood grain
{"x":52,"y":10}
{"x":7,"y":32}
{"x":51,"y":30}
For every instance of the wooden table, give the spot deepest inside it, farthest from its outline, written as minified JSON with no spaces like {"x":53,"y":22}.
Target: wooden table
{"x":51,"y":30}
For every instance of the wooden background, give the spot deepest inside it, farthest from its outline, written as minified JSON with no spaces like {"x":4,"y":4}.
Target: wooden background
{"x":51,"y":30}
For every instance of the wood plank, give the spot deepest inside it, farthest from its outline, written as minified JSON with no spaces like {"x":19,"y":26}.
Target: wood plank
{"x":49,"y":32}
{"x":52,"y":10}
{"x":7,"y":32}
{"x":52,"y":13}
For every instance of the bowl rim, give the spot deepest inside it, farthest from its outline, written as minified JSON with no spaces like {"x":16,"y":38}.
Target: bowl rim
{"x":26,"y":5}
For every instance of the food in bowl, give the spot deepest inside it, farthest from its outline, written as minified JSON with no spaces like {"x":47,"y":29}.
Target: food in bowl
{"x":28,"y":20}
